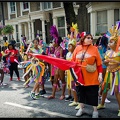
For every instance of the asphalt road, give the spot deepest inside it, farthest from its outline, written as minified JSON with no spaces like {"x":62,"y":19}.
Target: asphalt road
{"x":15,"y":102}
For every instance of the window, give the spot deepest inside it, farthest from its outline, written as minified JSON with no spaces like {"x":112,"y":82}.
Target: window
{"x":17,"y":33}
{"x":12,"y":7}
{"x":61,"y":26}
{"x":25,"y":5}
{"x":102,"y":21}
{"x":46,"y":5}
{"x":116,"y":16}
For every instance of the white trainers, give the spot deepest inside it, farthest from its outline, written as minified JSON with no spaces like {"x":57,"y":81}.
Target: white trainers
{"x":118,"y":113}
{"x":107,"y":101}
{"x":77,"y":107}
{"x":79,"y":112}
{"x":73,"y":104}
{"x":95,"y":114}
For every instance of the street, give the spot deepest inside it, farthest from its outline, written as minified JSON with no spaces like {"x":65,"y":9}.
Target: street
{"x":16,"y":103}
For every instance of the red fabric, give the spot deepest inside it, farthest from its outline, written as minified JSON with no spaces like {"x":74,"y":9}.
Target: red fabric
{"x":100,"y":69}
{"x":12,"y":57}
{"x":0,"y":54}
{"x":58,"y":62}
{"x":62,"y":64}
{"x":78,"y":72}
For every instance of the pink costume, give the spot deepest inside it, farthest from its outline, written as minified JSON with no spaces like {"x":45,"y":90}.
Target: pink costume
{"x":56,"y":54}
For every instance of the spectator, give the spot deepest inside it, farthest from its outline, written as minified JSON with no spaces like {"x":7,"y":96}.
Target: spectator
{"x":13,"y":42}
{"x":86,"y":54}
{"x":11,"y":56}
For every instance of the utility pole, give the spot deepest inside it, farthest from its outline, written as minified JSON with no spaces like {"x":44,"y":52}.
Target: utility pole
{"x":2,"y":8}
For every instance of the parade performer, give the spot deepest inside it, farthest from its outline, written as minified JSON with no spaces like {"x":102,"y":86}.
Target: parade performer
{"x":51,"y":67}
{"x":59,"y":74}
{"x":112,"y":61}
{"x":102,"y":45}
{"x":37,"y":68}
{"x":70,"y":80}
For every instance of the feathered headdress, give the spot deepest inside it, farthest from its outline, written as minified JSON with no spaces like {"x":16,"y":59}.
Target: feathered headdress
{"x":64,"y":43}
{"x":114,"y":33}
{"x":74,"y":34}
{"x":54,"y":33}
{"x":74,"y":31}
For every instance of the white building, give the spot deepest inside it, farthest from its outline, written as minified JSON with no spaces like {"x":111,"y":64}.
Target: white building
{"x":103,"y":15}
{"x":31,"y":18}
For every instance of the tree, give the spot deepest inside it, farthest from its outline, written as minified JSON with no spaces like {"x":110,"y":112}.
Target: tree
{"x":7,"y":29}
{"x":70,"y":14}
{"x":82,"y":19}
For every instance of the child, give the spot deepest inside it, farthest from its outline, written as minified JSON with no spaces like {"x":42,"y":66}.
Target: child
{"x":70,"y":81}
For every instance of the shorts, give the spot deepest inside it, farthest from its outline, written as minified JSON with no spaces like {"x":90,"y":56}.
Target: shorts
{"x":73,"y":85}
{"x":88,"y":94}
{"x":43,"y":81}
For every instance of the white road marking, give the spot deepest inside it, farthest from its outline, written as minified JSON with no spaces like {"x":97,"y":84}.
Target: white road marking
{"x":40,"y":110}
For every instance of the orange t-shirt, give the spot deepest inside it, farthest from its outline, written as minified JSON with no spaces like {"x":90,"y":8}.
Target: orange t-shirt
{"x":92,"y":55}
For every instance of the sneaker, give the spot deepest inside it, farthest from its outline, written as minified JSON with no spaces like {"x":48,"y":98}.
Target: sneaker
{"x":72,"y":99}
{"x":100,"y":97}
{"x":73,"y":104}
{"x":3,"y":84}
{"x":95,"y":114}
{"x":119,"y":113}
{"x":18,"y":79}
{"x":36,"y":97}
{"x":107,"y":101}
{"x":79,"y":112}
{"x":78,"y":107}
{"x":68,"y":98}
{"x":100,"y":106}
{"x":32,"y":95}
{"x":10,"y":79}
{"x":42,"y":92}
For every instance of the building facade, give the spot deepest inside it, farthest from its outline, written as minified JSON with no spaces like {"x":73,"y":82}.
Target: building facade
{"x":32,"y":18}
{"x":102,"y":16}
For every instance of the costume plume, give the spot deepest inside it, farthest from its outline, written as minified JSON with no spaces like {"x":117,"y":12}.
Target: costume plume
{"x":54,"y":33}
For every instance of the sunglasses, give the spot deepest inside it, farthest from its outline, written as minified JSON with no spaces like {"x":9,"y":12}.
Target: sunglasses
{"x":89,"y":38}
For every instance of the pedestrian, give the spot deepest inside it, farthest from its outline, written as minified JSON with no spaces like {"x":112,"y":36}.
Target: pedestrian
{"x":3,"y":54}
{"x":6,"y":43}
{"x":11,"y":56}
{"x":112,"y":76}
{"x":1,"y":70}
{"x":87,"y":55}
{"x":13,"y":42}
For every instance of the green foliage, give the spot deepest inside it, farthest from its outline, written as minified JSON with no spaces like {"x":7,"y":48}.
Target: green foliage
{"x":8,"y":29}
{"x":97,"y":34}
